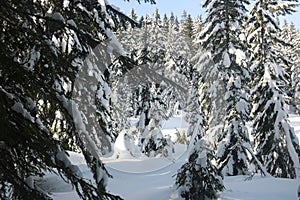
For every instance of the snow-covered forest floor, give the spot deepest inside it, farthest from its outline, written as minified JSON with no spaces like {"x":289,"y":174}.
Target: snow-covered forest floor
{"x":153,"y":178}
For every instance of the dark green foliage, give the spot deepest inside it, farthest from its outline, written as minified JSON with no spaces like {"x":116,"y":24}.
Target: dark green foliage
{"x":199,"y":179}
{"x":290,"y":35}
{"x":143,"y":107}
{"x":35,"y":65}
{"x":271,"y":138}
{"x":187,"y":26}
{"x":274,"y":138}
{"x":224,"y":97}
{"x":194,"y":115}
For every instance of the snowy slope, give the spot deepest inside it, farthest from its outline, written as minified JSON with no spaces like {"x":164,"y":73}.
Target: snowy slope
{"x":153,"y":178}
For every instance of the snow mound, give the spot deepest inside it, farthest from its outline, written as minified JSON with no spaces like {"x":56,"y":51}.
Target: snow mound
{"x":124,"y":147}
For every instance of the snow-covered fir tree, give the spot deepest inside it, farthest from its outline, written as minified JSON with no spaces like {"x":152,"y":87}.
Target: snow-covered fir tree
{"x":193,"y":115}
{"x":212,"y":85}
{"x":275,"y":142}
{"x":186,"y":28}
{"x":157,"y":36}
{"x":165,"y":22}
{"x":222,"y":38}
{"x":44,"y":46}
{"x":128,"y":34}
{"x":153,"y":143}
{"x":199,"y":179}
{"x":198,"y":26}
{"x":144,"y":100}
{"x":122,"y":105}
{"x":177,"y":55}
{"x":208,"y":86}
{"x":296,"y":74}
{"x":190,"y":177}
{"x":292,"y":51}
{"x":232,"y":157}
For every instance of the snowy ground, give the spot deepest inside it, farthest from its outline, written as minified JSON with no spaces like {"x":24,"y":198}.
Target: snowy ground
{"x":153,"y":179}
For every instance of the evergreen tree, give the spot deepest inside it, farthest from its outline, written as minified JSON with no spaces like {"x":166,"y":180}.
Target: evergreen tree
{"x":211,"y":86}
{"x":152,"y":140}
{"x":186,"y":29}
{"x":296,"y":73}
{"x":133,"y":14}
{"x":165,"y":22}
{"x":43,"y":48}
{"x":177,"y":56}
{"x":222,"y":37}
{"x":199,"y":179}
{"x":291,"y":37}
{"x":154,"y":102}
{"x":275,"y":142}
{"x":194,"y":116}
{"x":183,"y":16}
{"x":198,"y":26}
{"x":172,"y":19}
{"x":127,"y":35}
{"x":122,"y":105}
{"x":157,"y":45}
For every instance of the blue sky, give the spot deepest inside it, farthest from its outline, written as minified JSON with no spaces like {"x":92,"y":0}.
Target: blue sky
{"x":192,"y":7}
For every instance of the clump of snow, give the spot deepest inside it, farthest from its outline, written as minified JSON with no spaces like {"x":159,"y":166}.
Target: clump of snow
{"x":56,"y":16}
{"x":267,"y":75}
{"x":226,"y":60}
{"x":34,"y":58}
{"x":72,"y":23}
{"x":239,"y":56}
{"x":62,"y":156}
{"x":66,"y":3}
{"x":19,"y":108}
{"x":201,"y":146}
{"x":30,"y":182}
{"x":242,"y":106}
{"x":9,"y":95}
{"x":124,"y":146}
